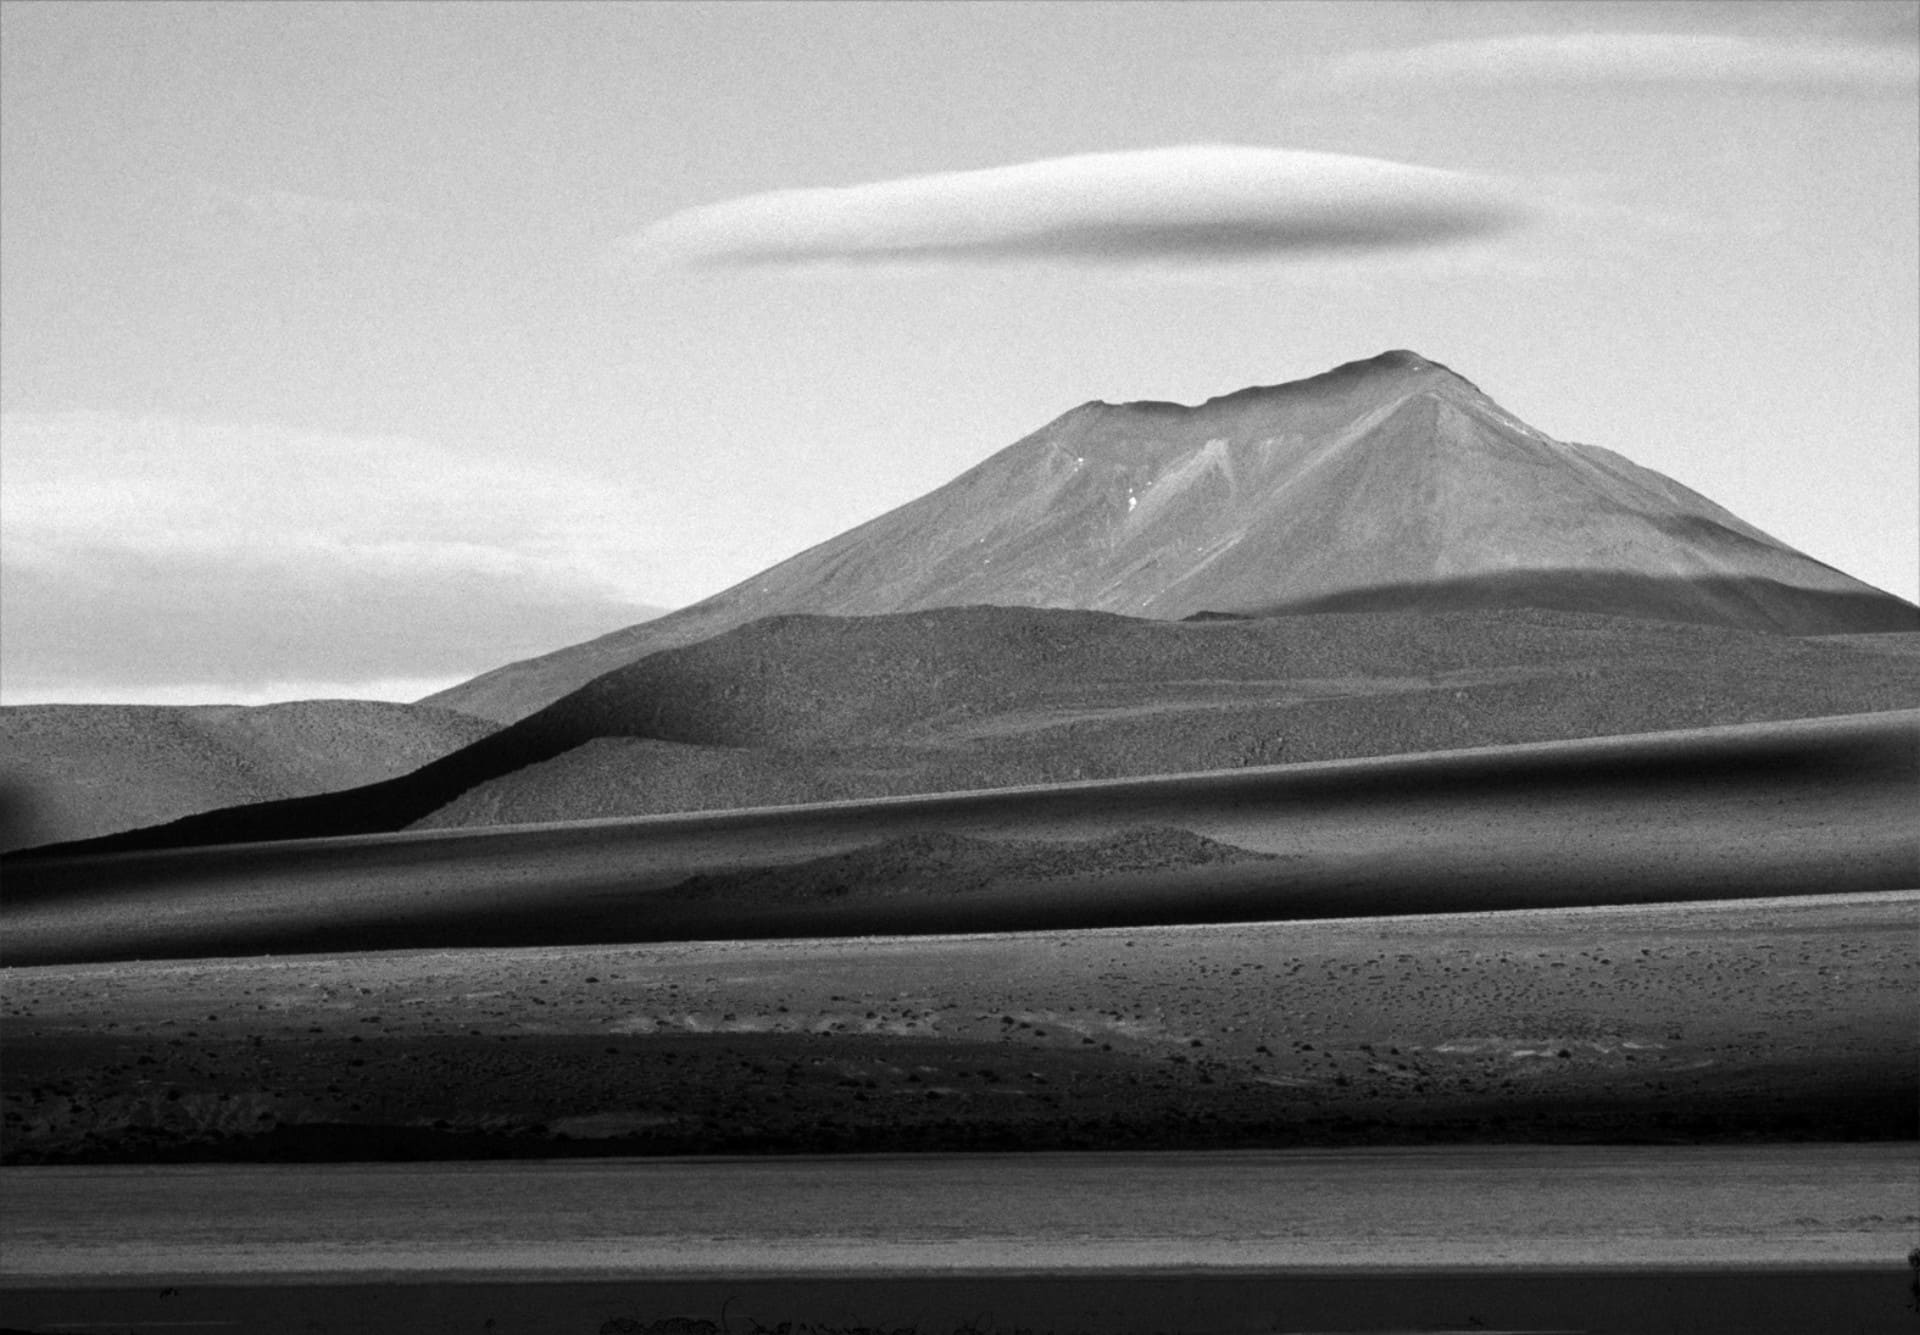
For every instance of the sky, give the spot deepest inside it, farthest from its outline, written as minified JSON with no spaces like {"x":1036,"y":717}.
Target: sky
{"x":354,"y":349}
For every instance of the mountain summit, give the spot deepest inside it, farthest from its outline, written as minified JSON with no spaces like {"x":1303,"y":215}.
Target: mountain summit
{"x":1391,"y":483}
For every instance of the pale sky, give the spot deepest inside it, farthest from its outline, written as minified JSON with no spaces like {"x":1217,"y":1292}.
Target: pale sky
{"x":356,"y":349}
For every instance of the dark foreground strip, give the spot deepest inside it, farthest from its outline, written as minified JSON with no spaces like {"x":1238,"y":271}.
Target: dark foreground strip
{"x":1750,"y":1301}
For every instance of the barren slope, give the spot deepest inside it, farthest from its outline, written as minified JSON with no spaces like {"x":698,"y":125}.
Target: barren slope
{"x":1388,"y":483}
{"x":1811,"y":806}
{"x":815,"y":709}
{"x":76,"y":771}
{"x":807,"y":709}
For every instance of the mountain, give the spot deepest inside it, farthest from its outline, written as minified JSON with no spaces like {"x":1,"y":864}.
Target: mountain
{"x":77,"y":771}
{"x":1391,"y":483}
{"x":804,"y":708}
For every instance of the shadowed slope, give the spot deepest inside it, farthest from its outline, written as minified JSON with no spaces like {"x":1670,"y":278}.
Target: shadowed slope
{"x":1812,"y":806}
{"x":1392,"y":473}
{"x":806,"y":709}
{"x":86,"y":770}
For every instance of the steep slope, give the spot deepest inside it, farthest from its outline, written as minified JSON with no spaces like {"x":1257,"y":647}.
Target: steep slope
{"x":1387,"y":483}
{"x":809,"y":708}
{"x":76,"y":771}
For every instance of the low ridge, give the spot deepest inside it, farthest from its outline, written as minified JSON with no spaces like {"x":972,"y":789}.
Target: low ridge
{"x":805,"y":708}
{"x":79,"y":771}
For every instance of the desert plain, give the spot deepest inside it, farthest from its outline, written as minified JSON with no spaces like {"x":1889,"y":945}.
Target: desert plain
{"x":1781,"y":1018}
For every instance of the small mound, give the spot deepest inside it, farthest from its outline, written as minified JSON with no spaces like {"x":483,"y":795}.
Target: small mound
{"x":935,"y":863}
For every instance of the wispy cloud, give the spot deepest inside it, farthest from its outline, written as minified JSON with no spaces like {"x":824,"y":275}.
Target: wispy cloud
{"x":1646,"y":58}
{"x":153,"y":553}
{"x":1205,"y":204}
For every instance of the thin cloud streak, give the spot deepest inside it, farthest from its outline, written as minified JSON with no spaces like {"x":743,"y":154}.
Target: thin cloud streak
{"x":1645,"y":58}
{"x":1197,"y":204}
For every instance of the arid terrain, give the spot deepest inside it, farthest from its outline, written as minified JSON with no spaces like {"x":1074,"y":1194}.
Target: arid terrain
{"x":77,"y":771}
{"x":1457,"y":785}
{"x":1385,"y":484}
{"x":1096,"y":667}
{"x":808,"y":709}
{"x":1762,"y":1019}
{"x":1377,"y":560}
{"x":1817,"y":805}
{"x":1650,"y":1239}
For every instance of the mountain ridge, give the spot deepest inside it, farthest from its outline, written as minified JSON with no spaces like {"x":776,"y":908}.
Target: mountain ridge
{"x":1393,"y":472}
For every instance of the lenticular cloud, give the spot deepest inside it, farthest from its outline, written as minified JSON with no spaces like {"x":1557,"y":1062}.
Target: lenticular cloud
{"x":1159,"y":205}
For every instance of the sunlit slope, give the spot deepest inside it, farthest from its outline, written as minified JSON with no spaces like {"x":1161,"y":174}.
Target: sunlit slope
{"x":1813,"y":806}
{"x":809,"y":709}
{"x":77,"y":771}
{"x":1388,"y":483}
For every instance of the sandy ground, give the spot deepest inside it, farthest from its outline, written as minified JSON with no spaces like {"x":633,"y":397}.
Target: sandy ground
{"x":1787,"y":1019}
{"x":1773,"y":1301}
{"x":1511,"y":1207}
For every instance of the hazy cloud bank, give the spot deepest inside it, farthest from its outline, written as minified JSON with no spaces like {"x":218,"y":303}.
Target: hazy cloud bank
{"x":1203,"y":204}
{"x":1645,"y":58}
{"x":156,"y":553}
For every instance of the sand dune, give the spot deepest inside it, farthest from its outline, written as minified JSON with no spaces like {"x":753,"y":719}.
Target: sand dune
{"x":1820,"y":805}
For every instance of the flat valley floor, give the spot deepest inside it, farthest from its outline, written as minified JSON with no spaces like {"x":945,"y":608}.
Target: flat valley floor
{"x":1564,"y":1238}
{"x":1766,"y":1019}
{"x":1613,"y":1118}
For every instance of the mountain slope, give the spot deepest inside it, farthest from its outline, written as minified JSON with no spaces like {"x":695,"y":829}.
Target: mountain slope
{"x":1383,"y":484}
{"x":810,"y":708}
{"x":76,"y":771}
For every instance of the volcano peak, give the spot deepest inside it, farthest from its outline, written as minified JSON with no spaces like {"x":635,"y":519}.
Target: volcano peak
{"x":1388,"y":370}
{"x":1390,"y":482}
{"x":1393,"y":365}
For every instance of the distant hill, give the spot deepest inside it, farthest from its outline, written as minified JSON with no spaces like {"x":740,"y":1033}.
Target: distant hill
{"x":1390,"y":484}
{"x":76,"y":771}
{"x":809,"y":708}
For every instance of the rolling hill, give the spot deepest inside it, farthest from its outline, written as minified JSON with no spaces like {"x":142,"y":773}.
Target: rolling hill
{"x":1385,"y":484}
{"x":1804,"y":807}
{"x":805,"y":709}
{"x":76,"y":771}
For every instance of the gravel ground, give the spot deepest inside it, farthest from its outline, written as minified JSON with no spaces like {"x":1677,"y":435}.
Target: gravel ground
{"x":1766,"y":1019}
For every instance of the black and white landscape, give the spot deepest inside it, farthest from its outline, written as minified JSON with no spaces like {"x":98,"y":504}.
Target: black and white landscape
{"x":1289,"y":843}
{"x":1517,"y":857}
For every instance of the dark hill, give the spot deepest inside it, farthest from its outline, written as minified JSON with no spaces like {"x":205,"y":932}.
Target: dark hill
{"x":804,"y":708}
{"x":1387,"y":484}
{"x":76,"y":771}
